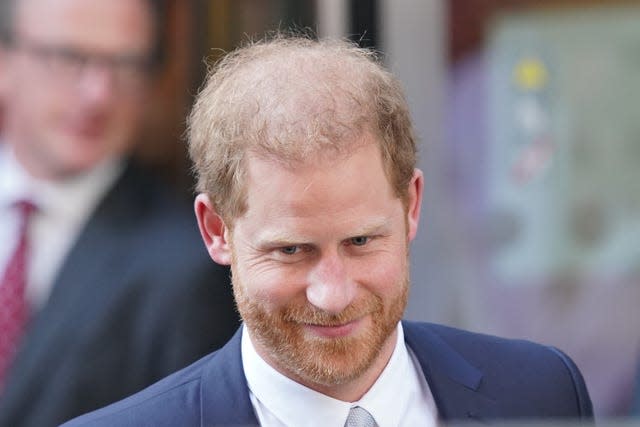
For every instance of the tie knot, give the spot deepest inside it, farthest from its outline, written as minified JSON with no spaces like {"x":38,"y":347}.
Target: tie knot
{"x":359,"y":417}
{"x":26,"y":208}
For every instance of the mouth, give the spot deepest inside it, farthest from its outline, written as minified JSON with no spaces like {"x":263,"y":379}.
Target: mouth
{"x":334,"y":331}
{"x":89,"y":128}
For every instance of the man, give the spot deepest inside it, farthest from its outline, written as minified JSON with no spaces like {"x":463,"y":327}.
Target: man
{"x":116,"y":290}
{"x":308,"y":189}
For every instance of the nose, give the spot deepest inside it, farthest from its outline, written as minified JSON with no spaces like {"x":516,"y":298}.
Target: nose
{"x":97,"y":83}
{"x":329,"y":286}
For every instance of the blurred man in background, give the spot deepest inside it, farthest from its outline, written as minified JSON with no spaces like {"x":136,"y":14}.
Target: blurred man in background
{"x":104,"y":285}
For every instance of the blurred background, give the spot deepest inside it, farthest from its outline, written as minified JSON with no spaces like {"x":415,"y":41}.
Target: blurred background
{"x":528,"y":117}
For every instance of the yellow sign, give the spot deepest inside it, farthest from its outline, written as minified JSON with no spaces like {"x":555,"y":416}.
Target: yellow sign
{"x":530,"y":74}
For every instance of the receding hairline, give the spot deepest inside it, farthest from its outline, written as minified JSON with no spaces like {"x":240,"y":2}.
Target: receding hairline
{"x":285,"y":82}
{"x":294,"y":70}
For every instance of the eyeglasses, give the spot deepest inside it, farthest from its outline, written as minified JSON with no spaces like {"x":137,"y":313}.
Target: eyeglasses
{"x":69,"y":63}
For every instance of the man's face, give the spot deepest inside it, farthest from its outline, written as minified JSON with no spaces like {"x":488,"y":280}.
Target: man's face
{"x":72,"y":85}
{"x":319,"y":263}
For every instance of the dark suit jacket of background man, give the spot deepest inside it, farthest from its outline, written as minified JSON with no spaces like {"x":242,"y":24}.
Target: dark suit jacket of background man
{"x":136,"y":299}
{"x":472,"y":377}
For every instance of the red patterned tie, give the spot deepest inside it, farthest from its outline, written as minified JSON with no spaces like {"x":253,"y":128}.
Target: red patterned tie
{"x":13,"y":307}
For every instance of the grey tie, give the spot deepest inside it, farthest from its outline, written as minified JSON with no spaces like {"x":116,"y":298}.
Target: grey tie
{"x":359,"y":417}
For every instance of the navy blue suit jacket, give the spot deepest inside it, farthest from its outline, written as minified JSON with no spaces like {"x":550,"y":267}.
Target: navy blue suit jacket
{"x":472,"y":376}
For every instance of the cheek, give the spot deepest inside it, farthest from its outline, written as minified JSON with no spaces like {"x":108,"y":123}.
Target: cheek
{"x":39,"y":111}
{"x":383,"y":275}
{"x":133,"y":109}
{"x":125,"y":117}
{"x":33,"y":118}
{"x":30,"y":102}
{"x":271,"y":287}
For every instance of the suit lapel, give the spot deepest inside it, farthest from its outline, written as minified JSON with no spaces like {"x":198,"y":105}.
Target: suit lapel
{"x":454,"y":383}
{"x":70,"y":305}
{"x":225,"y":394}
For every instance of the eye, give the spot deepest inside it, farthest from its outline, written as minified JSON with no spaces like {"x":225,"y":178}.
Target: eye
{"x":359,"y":240}
{"x":70,"y":58}
{"x":290,"y":250}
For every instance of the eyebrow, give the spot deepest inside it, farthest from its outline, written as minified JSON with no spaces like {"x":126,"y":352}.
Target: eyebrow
{"x":277,"y":239}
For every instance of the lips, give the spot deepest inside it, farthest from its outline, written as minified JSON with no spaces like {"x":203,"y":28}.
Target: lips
{"x":90,"y":126}
{"x":334,"y":331}
{"x":87,"y":131}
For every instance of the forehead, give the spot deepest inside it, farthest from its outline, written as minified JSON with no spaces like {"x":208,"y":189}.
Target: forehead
{"x":103,"y":24}
{"x":321,"y":187}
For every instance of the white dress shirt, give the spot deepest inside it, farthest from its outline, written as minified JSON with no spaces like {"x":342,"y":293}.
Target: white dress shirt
{"x":399,"y":397}
{"x":63,"y":208}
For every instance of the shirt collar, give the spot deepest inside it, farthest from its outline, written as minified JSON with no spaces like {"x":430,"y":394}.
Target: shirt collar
{"x":292,"y":402}
{"x":286,"y":399}
{"x":391,"y":386}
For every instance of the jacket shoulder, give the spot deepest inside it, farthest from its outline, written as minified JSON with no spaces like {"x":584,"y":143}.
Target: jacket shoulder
{"x":172,"y":401}
{"x":523,"y":378}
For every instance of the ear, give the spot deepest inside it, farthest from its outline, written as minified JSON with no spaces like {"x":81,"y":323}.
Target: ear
{"x":213,"y":230}
{"x":414,"y":199}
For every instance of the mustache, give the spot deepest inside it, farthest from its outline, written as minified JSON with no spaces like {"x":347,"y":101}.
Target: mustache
{"x":309,"y":314}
